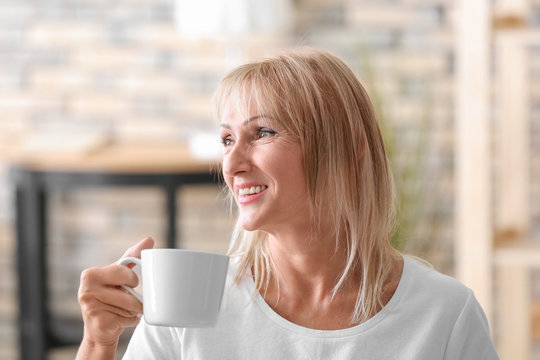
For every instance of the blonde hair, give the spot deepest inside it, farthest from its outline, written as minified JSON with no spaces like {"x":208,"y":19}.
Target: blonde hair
{"x":319,"y":100}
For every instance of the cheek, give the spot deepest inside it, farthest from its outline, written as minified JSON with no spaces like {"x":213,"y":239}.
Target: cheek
{"x":298,"y":183}
{"x":227,"y":179}
{"x":228,"y":182}
{"x":293,"y":174}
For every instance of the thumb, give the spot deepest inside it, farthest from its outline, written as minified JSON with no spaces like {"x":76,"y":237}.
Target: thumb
{"x":135,"y":250}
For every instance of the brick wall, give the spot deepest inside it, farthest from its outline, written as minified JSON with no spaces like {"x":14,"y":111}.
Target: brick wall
{"x":95,"y":67}
{"x":121,"y":69}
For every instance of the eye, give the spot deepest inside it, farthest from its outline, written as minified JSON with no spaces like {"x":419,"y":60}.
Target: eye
{"x":265,"y":132}
{"x":226,"y":141}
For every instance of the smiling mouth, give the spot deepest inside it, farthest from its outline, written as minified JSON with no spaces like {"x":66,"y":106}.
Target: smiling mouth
{"x":252,"y":190}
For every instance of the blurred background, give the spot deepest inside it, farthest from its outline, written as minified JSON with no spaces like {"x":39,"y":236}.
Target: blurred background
{"x":455,"y":85}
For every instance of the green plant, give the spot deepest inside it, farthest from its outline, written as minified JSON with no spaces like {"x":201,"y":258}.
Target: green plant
{"x":406,"y":156}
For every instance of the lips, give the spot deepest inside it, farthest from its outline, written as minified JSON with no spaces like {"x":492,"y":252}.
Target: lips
{"x":250,"y":192}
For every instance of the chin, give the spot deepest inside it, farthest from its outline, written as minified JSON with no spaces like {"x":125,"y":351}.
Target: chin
{"x":249,"y":227}
{"x":249,"y":224}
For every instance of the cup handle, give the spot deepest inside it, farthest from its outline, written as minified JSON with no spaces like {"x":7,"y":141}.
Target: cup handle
{"x":137,"y":270}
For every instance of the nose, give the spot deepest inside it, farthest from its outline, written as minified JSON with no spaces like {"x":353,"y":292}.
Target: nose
{"x":236,"y":161}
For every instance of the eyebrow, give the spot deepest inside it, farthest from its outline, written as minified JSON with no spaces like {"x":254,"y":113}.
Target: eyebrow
{"x":247,"y":121}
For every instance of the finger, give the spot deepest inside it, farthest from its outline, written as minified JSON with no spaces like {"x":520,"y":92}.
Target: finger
{"x":94,"y":278}
{"x":130,"y":322}
{"x":102,"y":319}
{"x":125,"y":312}
{"x":135,"y":250}
{"x":125,"y":322}
{"x":112,"y":300}
{"x":95,"y":307}
{"x":125,"y":303}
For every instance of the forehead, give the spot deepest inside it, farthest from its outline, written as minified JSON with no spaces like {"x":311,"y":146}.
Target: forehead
{"x":245,"y":113}
{"x":245,"y":99}
{"x":239,"y":104}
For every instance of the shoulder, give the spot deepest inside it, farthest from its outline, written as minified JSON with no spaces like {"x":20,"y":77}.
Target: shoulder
{"x":439,"y":301}
{"x":425,"y":285}
{"x":437,"y":304}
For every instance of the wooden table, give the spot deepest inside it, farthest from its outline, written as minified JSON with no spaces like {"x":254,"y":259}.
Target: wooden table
{"x":34,"y":175}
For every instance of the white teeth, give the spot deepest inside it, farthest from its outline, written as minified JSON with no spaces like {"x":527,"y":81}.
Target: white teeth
{"x":252,"y":190}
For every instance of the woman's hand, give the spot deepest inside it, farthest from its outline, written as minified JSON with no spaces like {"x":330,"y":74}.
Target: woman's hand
{"x":107,"y":308}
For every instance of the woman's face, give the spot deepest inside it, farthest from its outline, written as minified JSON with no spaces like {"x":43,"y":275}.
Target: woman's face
{"x":263,"y":167}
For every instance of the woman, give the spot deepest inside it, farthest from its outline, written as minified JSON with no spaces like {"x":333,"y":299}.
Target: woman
{"x":313,"y":274}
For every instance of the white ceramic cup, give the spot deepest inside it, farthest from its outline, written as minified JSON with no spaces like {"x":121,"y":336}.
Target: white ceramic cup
{"x":180,"y":288}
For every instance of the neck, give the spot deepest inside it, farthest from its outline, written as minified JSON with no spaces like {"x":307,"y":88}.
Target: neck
{"x":307,"y":263}
{"x":308,"y":266}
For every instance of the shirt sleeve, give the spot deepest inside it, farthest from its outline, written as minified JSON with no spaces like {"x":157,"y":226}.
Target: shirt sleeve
{"x":470,"y":338}
{"x":154,"y":342}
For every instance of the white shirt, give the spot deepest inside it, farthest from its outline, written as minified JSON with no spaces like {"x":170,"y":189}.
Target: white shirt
{"x":430,"y":316}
